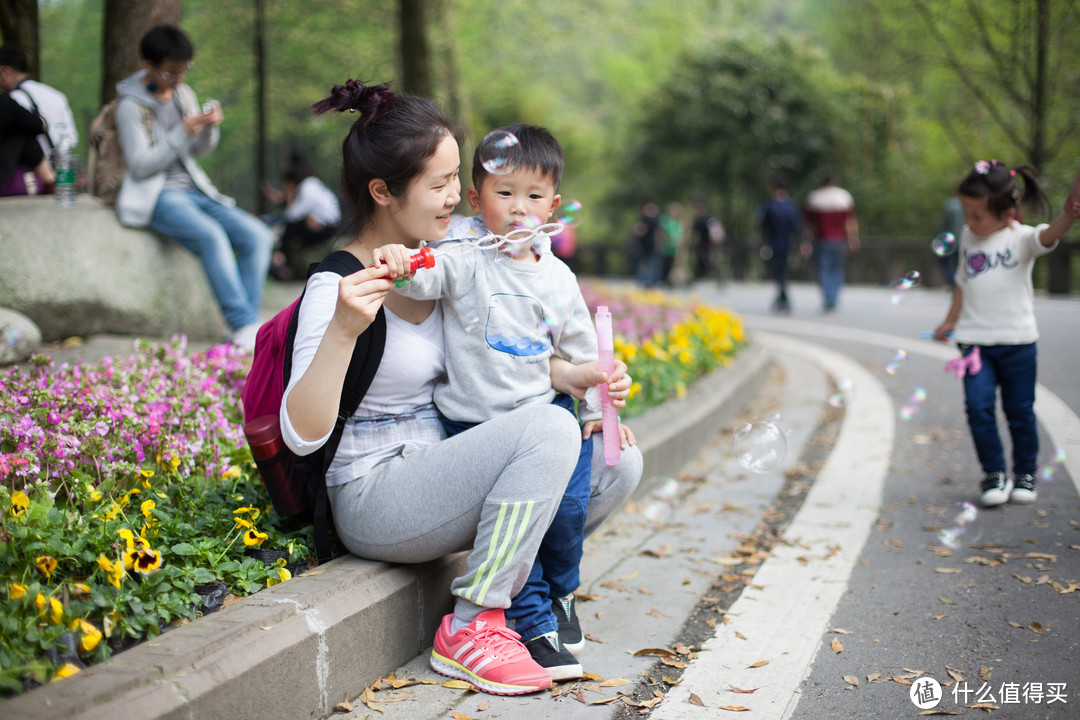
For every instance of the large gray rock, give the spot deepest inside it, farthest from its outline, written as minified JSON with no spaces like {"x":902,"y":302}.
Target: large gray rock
{"x":19,"y":337}
{"x":77,"y":271}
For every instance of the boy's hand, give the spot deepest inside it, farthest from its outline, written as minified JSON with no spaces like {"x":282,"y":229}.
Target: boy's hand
{"x":395,"y":257}
{"x":626,"y":436}
{"x":584,"y":376}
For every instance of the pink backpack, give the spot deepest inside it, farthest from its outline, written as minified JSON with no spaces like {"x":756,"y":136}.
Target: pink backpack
{"x":296,"y":484}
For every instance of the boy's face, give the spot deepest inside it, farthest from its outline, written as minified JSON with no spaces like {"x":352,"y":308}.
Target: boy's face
{"x":523,"y":198}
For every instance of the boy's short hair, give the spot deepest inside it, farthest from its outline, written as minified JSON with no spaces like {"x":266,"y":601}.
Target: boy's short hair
{"x":540,"y":151}
{"x":13,"y":58}
{"x":165,"y":42}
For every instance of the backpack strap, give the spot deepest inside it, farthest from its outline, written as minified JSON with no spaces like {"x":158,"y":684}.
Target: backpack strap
{"x":362,"y":366}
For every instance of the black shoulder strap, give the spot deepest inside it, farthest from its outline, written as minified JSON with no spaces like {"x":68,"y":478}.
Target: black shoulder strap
{"x":36,"y":111}
{"x":357,"y":379}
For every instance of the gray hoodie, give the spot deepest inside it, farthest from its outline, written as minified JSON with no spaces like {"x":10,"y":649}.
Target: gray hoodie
{"x":149,"y":149}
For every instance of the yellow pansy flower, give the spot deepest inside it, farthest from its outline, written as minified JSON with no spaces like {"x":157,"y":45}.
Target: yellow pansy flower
{"x":67,"y":670}
{"x":19,"y":504}
{"x":147,"y":506}
{"x":90,"y":636}
{"x":282,"y":576}
{"x":53,"y":611}
{"x":254,"y":537}
{"x":241,"y":522}
{"x":145,"y":560}
{"x":45,"y":565}
{"x":17,"y":591}
{"x":233,"y":471}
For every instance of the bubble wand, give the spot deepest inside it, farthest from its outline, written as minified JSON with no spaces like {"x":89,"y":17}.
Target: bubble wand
{"x":605,"y":346}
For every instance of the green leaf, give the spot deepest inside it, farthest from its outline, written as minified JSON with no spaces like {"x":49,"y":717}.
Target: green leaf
{"x":184,"y":549}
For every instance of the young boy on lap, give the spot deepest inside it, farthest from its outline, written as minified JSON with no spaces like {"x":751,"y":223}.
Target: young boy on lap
{"x":505,"y":312}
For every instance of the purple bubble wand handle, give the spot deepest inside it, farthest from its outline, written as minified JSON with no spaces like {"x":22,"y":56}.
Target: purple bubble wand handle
{"x":605,"y":346}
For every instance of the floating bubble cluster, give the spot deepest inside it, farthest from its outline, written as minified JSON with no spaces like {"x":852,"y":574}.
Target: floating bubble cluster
{"x":1049,"y":471}
{"x":959,"y":525}
{"x":500,"y":152}
{"x":841,"y":393}
{"x":944,"y":244}
{"x":569,"y":212}
{"x":901,"y":288}
{"x":898,"y":359}
{"x":760,"y":446}
{"x":911,"y":409}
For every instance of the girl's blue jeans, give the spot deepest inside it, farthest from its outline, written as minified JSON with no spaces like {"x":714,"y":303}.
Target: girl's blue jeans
{"x":556,"y":572}
{"x":233,"y":247}
{"x":1012,"y":368}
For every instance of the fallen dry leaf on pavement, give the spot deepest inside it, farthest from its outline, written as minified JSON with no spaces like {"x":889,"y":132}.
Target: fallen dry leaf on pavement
{"x":615,"y":682}
{"x":735,"y":708}
{"x":483,"y":706}
{"x":655,"y":651}
{"x":851,"y":680}
{"x":695,"y":700}
{"x":984,"y":673}
{"x":938,"y":712}
{"x":984,"y":706}
{"x":842,"y":631}
{"x":460,"y":716}
{"x":947,"y":570}
{"x":1037,"y":627}
{"x":759,"y":663}
{"x":741,"y":690}
{"x":656,"y":613}
{"x":343,"y":706}
{"x":837,"y":646}
{"x":459,"y":685}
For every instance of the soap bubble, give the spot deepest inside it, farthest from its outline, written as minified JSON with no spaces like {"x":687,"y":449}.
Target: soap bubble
{"x":898,"y":359}
{"x":569,"y":212}
{"x":842,"y":393}
{"x":760,"y":446}
{"x":959,"y":525}
{"x":1049,"y":471}
{"x":500,"y":152}
{"x":472,"y":324}
{"x":900,"y":288}
{"x":944,"y":244}
{"x":911,"y":409}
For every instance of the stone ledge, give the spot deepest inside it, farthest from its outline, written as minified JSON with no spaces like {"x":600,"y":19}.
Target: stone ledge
{"x":77,"y":271}
{"x":296,"y":649}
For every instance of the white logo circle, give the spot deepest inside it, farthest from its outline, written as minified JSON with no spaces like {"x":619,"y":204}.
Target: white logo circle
{"x":925,"y":693}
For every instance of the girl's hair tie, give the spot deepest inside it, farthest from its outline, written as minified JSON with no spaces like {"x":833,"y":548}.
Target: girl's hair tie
{"x":371,"y":101}
{"x":983,"y":166}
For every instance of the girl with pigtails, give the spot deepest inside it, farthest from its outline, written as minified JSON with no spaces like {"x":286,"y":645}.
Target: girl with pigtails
{"x":992,"y":318}
{"x":399,"y":490}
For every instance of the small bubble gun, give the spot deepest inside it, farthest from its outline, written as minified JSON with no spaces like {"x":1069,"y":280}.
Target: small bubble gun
{"x":606,"y":355}
{"x":423,"y":259}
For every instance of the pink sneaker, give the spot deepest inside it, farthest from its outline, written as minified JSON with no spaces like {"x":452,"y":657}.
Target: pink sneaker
{"x":489,"y":655}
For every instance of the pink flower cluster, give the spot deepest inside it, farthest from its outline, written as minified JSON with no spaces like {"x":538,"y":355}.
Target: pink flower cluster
{"x":113,"y":419}
{"x":637,"y":315}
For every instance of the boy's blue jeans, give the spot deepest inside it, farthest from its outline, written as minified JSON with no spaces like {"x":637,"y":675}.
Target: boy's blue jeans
{"x":1012,"y":368}
{"x":556,"y":572}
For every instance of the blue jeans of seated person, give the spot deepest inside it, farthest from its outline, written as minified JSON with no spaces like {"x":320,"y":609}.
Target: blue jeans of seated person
{"x":829,"y":263}
{"x":233,"y":247}
{"x":1012,"y":368}
{"x":556,"y":572}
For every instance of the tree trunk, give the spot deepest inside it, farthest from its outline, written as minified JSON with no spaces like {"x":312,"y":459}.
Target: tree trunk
{"x":1039,"y":95}
{"x":260,"y":103}
{"x":415,"y":67}
{"x":19,"y":27}
{"x":124,"y":24}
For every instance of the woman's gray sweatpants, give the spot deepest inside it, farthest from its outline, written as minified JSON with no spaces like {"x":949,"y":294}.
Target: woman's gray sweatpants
{"x":493,"y":489}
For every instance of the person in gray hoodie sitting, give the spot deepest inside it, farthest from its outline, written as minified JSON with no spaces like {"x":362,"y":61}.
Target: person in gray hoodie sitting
{"x":162,"y":129}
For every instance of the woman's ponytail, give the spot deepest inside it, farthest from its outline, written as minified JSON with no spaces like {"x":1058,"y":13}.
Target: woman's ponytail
{"x":371,"y":101}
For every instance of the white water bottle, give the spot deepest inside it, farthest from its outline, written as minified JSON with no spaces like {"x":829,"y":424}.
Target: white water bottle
{"x":65,"y":174}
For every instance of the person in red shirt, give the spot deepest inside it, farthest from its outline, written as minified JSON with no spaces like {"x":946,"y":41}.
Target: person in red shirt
{"x":829,"y":212}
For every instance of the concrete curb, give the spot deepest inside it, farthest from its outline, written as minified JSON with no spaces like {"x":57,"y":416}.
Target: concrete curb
{"x":297,"y":649}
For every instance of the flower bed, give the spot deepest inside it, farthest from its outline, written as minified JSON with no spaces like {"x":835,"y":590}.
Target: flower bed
{"x":130,"y":502}
{"x":665,"y":342}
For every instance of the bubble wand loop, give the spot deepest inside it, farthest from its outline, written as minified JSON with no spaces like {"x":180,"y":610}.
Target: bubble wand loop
{"x":610,"y":415}
{"x":426,"y":257}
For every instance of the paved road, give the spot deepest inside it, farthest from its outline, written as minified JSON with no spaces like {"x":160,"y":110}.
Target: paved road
{"x":999,"y":619}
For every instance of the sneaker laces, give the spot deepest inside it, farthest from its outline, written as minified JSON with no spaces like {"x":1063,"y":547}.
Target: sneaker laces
{"x":498,"y":640}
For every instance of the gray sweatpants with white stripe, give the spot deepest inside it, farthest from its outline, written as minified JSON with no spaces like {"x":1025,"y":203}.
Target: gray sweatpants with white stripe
{"x":493,"y":489}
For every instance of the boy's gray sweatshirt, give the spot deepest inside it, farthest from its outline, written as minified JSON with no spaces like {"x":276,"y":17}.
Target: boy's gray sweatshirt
{"x":150,"y":148}
{"x":503,"y":320}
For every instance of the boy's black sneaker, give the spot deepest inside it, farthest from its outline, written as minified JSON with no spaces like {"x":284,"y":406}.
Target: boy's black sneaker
{"x":570,"y":635}
{"x":995,"y":489}
{"x":556,"y":660}
{"x":1024,"y":492}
